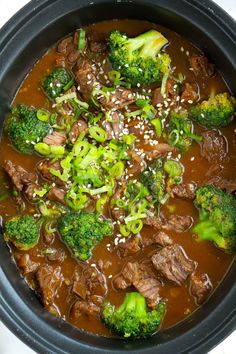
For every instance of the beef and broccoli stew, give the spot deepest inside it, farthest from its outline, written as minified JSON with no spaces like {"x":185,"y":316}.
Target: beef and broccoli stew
{"x":118,"y":178}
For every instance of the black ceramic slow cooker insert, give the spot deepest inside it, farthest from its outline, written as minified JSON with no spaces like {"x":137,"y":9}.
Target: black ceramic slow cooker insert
{"x":23,"y":40}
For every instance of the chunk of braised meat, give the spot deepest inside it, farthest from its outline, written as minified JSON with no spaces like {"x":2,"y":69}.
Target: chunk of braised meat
{"x":227,"y":184}
{"x":22,"y":180}
{"x":190,"y":92}
{"x":69,"y":49}
{"x":183,"y":190}
{"x":103,"y":265}
{"x":90,"y":281}
{"x":85,"y":77}
{"x":118,"y":99}
{"x":49,"y":280}
{"x":108,"y":128}
{"x":201,"y":66}
{"x":142,"y":276}
{"x":173,"y":263}
{"x":157,"y":97}
{"x":200,"y":287}
{"x":178,"y":223}
{"x":57,"y":195}
{"x":170,"y":88}
{"x":96,"y":45}
{"x":44,"y":168}
{"x":81,"y":307}
{"x":117,"y":124}
{"x":214,"y":146}
{"x":80,"y":126}
{"x":25,"y":264}
{"x":131,"y":246}
{"x":159,"y":238}
{"x":153,"y":221}
{"x":57,"y":256}
{"x":56,"y":138}
{"x":158,"y":150}
{"x":117,"y":213}
{"x":136,"y":164}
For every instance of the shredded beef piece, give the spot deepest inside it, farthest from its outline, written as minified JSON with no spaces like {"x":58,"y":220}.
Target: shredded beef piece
{"x":84,"y":308}
{"x":131,"y":246}
{"x":57,"y":256}
{"x":117,"y":124}
{"x":80,"y":126}
{"x":57,"y":195}
{"x":158,"y":150}
{"x":97,"y":46}
{"x":118,"y":99}
{"x":60,"y":61}
{"x":201,"y":66}
{"x":214,"y":146}
{"x":153,"y":221}
{"x":66,"y":45}
{"x":108,"y":128}
{"x":25,"y":264}
{"x":55,"y":138}
{"x":69,"y":49}
{"x":103,"y":265}
{"x":173,"y":263}
{"x":90,"y":281}
{"x":190,"y":92}
{"x":157,"y":97}
{"x":200,"y":287}
{"x":178,"y":223}
{"x":85,"y":77}
{"x":44,"y":168}
{"x":170,"y":88}
{"x":160,"y":238}
{"x":184,"y":190}
{"x":228,"y":185}
{"x":142,"y":277}
{"x":49,"y":280}
{"x":117,"y":213}
{"x":137,"y":163}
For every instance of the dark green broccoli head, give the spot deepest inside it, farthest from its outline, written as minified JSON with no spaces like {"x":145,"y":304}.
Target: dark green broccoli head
{"x":153,"y":179}
{"x":22,"y":231}
{"x":82,"y":232}
{"x":139,"y":59}
{"x":180,"y":131}
{"x":217,"y":217}
{"x":132,"y":319}
{"x":55,"y":83}
{"x":24,"y":128}
{"x":216,"y":112}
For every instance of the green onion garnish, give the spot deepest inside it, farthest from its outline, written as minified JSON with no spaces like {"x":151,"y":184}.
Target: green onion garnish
{"x":98,"y":134}
{"x":42,"y":114}
{"x":82,"y":39}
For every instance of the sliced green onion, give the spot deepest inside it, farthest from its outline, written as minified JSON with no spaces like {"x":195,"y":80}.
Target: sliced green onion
{"x":174,"y":134}
{"x":129,"y":139}
{"x":120,"y":203}
{"x":100,"y":203}
{"x":163,"y":83}
{"x":113,"y":75}
{"x":98,"y":190}
{"x":42,"y":149}
{"x":98,"y":134}
{"x":81,"y":103}
{"x":135,"y":226}
{"x":53,"y":119}
{"x":68,"y":85}
{"x":134,"y":113}
{"x":42,"y":114}
{"x":82,"y":39}
{"x":149,"y":112}
{"x":134,"y":217}
{"x":57,"y":150}
{"x":158,"y":126}
{"x":81,"y":148}
{"x":66,"y":97}
{"x":117,"y":170}
{"x":124,"y":230}
{"x":141,"y":102}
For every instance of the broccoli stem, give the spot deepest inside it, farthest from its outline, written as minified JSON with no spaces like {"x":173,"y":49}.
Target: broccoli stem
{"x":208,"y":232}
{"x":150,"y":43}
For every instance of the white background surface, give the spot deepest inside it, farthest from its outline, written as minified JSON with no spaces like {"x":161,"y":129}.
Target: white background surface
{"x":9,"y":344}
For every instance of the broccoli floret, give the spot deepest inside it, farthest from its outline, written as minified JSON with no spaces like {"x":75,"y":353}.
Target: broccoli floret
{"x":55,"y":83}
{"x":175,"y":170}
{"x":83,"y":231}
{"x":217,"y":217}
{"x":180,"y":131}
{"x":24,"y":128}
{"x":153,"y":179}
{"x":139,"y":59}
{"x":22,"y":231}
{"x":132,"y":319}
{"x":217,"y":112}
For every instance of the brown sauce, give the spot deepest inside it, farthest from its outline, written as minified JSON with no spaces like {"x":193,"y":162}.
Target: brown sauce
{"x":210,"y":260}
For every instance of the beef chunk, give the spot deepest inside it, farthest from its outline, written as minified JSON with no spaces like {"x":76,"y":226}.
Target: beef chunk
{"x":201,"y":66}
{"x":85,"y":77}
{"x":25,"y":264}
{"x":184,"y":190}
{"x":80,"y":126}
{"x":131,"y":246}
{"x":44,"y":168}
{"x":137,"y":164}
{"x":57,"y":195}
{"x":178,"y":223}
{"x":118,"y":99}
{"x":97,"y":46}
{"x":108,"y":128}
{"x":66,"y":45}
{"x":159,"y":238}
{"x":228,"y":184}
{"x":55,"y":138}
{"x":68,"y":49}
{"x":200,"y":287}
{"x":153,"y":221}
{"x":57,"y":256}
{"x":116,"y":212}
{"x":49,"y":279}
{"x":142,"y":276}
{"x":173,"y":264}
{"x":90,"y":281}
{"x":157,"y":97}
{"x":159,"y":149}
{"x":190,"y":92}
{"x":214,"y":146}
{"x":81,"y":307}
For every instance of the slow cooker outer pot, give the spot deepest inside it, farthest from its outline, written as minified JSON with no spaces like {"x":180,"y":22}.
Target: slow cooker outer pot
{"x":23,"y":40}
